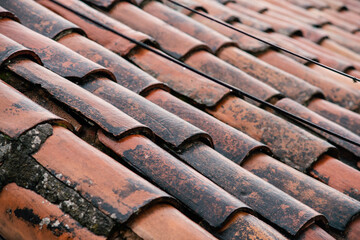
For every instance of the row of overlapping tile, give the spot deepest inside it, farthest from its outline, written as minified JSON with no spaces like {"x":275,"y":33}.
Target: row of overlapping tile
{"x":191,"y":160}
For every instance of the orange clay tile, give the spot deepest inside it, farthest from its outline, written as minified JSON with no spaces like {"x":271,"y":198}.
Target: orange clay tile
{"x":126,"y":74}
{"x":108,"y":185}
{"x":78,"y":99}
{"x":26,"y":215}
{"x":291,"y":144}
{"x":170,"y":128}
{"x":4,"y":13}
{"x":245,"y":43}
{"x":308,"y":3}
{"x":9,"y":49}
{"x":18,"y":113}
{"x":309,"y":32}
{"x":344,"y":96}
{"x":210,"y":202}
{"x":213,"y":39}
{"x":353,"y":231}
{"x":179,"y":47}
{"x":213,"y":66}
{"x":67,"y":63}
{"x":51,"y":29}
{"x":299,"y":110}
{"x":284,"y":82}
{"x":278,"y":26}
{"x":246,"y":226}
{"x":228,"y":15}
{"x":335,"y":20}
{"x":341,"y":116}
{"x":336,"y":5}
{"x":307,"y":190}
{"x":295,"y":11}
{"x":163,"y":222}
{"x":255,"y":6}
{"x":274,"y":205}
{"x":342,"y":37}
{"x":193,"y":86}
{"x":107,"y":39}
{"x":326,"y":57}
{"x":348,"y":16}
{"x":337,"y":48}
{"x":314,"y":232}
{"x":338,"y":175}
{"x":231,"y":143}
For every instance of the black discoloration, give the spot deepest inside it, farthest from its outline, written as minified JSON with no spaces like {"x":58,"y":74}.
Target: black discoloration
{"x":27,"y":215}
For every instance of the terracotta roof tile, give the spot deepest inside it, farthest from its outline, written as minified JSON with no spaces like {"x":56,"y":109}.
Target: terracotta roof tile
{"x":212,"y":203}
{"x":20,"y":114}
{"x":79,"y":100}
{"x":47,"y":50}
{"x":163,"y":124}
{"x":4,"y":13}
{"x":181,"y":47}
{"x":26,"y":215}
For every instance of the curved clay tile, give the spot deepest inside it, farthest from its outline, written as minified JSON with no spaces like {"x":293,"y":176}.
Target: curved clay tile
{"x":180,"y":21}
{"x":313,"y":117}
{"x":348,"y":119}
{"x":257,"y":6}
{"x":213,"y":66}
{"x":228,"y":15}
{"x":228,"y":141}
{"x":338,"y":175}
{"x":55,"y":56}
{"x":78,"y":99}
{"x":293,"y":145}
{"x":344,"y":96}
{"x":39,"y":18}
{"x":18,"y":113}
{"x":117,"y":191}
{"x":171,"y":129}
{"x":278,"y":26}
{"x":245,"y":43}
{"x":213,"y":204}
{"x":174,"y":42}
{"x":104,"y":37}
{"x":246,"y":226}
{"x":10,"y":49}
{"x":163,"y":222}
{"x":307,"y":190}
{"x":342,"y":37}
{"x":314,"y":232}
{"x":268,"y":201}
{"x":4,"y":13}
{"x":126,"y":74}
{"x":26,"y":215}
{"x":189,"y":84}
{"x":291,"y":86}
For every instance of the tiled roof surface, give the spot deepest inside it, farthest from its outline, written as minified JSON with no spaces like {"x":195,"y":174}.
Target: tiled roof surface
{"x":103,"y":139}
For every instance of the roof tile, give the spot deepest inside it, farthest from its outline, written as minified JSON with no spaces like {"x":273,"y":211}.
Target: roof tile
{"x":212,"y":203}
{"x":307,"y":190}
{"x":121,"y":194}
{"x":79,"y":100}
{"x":105,"y":38}
{"x":180,"y":47}
{"x":4,"y":13}
{"x":26,"y":215}
{"x":50,"y":28}
{"x":67,"y":63}
{"x":18,"y":113}
{"x":163,"y":124}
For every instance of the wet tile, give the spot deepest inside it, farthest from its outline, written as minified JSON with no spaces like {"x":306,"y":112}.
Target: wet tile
{"x":26,"y":215}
